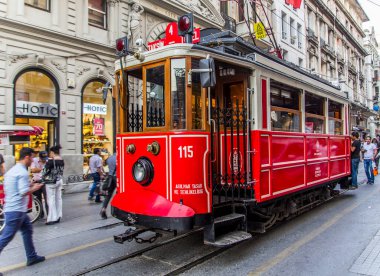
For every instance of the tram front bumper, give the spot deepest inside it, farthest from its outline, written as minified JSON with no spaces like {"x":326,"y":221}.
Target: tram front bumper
{"x":148,"y":209}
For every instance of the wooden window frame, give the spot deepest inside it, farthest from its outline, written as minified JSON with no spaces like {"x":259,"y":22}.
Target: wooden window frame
{"x":321,"y":117}
{"x":105,"y":16}
{"x":295,"y":111}
{"x":166,"y":127}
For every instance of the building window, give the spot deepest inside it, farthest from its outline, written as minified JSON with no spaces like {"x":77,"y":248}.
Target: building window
{"x":39,"y":4}
{"x":284,"y":27}
{"x":285,"y":107}
{"x":335,"y":118}
{"x":97,"y":122}
{"x":300,"y":62}
{"x":299,"y":36}
{"x":36,"y":105}
{"x":293,"y":36}
{"x":241,"y":10}
{"x":314,"y":109}
{"x":97,"y":13}
{"x":224,"y":7}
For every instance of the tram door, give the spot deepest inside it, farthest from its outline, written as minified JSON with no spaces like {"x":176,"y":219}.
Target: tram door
{"x":230,"y":175}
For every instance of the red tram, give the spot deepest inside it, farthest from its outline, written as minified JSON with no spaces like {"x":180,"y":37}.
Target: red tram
{"x":267,"y":142}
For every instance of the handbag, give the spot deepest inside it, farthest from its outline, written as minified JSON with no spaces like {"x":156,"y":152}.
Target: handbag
{"x":108,"y":181}
{"x":51,"y":178}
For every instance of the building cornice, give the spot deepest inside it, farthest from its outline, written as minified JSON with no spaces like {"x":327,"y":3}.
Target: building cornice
{"x":60,"y":39}
{"x":349,"y":16}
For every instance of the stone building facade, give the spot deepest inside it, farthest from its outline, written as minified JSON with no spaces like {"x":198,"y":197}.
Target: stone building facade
{"x":60,"y":55}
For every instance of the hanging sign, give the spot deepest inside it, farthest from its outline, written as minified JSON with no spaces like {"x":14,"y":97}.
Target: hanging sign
{"x":99,"y":126}
{"x":36,"y":109}
{"x":259,"y":30}
{"x":4,"y":139}
{"x":172,"y":37}
{"x":99,"y":109}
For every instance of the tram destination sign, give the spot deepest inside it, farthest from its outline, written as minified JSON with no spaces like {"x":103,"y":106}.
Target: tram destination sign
{"x":35,"y":109}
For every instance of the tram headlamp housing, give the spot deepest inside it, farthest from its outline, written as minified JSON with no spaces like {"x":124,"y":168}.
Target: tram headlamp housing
{"x":143,"y":171}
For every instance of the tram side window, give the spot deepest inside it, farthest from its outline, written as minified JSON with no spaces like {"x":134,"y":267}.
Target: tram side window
{"x":335,"y":118}
{"x":285,"y":108}
{"x":196,"y":98}
{"x":155,"y":96}
{"x":178,"y":93}
{"x":135,"y":87}
{"x":314,"y":109}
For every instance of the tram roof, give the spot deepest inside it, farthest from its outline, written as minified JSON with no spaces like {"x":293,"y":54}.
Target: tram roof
{"x":233,"y":49}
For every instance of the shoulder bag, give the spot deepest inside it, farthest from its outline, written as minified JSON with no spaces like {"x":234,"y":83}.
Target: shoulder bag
{"x":52,"y":177}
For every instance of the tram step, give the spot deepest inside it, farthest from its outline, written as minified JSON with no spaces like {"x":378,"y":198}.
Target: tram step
{"x":229,"y":239}
{"x":229,"y":219}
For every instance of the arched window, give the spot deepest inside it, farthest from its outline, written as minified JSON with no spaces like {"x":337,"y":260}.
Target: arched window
{"x":36,"y":104}
{"x":97,"y":122}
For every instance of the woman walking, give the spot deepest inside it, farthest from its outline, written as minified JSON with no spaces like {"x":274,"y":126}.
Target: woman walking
{"x":52,"y":176}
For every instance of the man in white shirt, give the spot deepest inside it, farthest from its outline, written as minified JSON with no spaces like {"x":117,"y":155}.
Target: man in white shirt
{"x":96,"y":169}
{"x":369,"y":152}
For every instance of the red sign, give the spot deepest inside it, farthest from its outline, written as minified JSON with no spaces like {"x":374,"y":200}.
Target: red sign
{"x":172,"y":37}
{"x":99,"y":126}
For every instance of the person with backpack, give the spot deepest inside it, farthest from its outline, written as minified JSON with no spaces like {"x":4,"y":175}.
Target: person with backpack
{"x":110,"y":183}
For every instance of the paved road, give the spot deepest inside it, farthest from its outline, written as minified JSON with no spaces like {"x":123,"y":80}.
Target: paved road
{"x":337,"y":238}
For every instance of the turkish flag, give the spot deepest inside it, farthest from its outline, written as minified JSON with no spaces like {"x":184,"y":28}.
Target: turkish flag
{"x":295,"y":3}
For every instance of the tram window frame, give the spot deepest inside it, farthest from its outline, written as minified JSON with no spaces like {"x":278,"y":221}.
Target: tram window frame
{"x":197,"y":94}
{"x":319,"y":115}
{"x":275,"y":109}
{"x":178,"y":121}
{"x":166,"y":95}
{"x":336,"y":119}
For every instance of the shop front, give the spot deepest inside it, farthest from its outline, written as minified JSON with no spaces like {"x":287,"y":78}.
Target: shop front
{"x":36,"y":104}
{"x":97,"y":122}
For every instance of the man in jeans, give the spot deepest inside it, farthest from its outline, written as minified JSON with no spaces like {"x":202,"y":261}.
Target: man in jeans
{"x":355,"y":158}
{"x":96,"y":169}
{"x":17,"y":190}
{"x":369,"y":151}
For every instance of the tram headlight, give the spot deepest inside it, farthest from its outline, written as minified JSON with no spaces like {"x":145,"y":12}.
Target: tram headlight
{"x":142,"y":171}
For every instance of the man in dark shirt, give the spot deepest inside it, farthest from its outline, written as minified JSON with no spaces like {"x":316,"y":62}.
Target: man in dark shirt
{"x":355,"y":158}
{"x":2,"y":169}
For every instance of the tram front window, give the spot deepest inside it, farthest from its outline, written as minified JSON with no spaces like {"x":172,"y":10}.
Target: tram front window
{"x":178,"y":94}
{"x":155,"y":96}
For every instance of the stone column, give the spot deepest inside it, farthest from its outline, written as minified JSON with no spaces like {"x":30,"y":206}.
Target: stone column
{"x":20,"y":8}
{"x":55,"y":13}
{"x":111,"y":18}
{"x":85,"y":17}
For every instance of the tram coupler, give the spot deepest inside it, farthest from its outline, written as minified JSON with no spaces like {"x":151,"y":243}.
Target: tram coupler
{"x":129,"y":234}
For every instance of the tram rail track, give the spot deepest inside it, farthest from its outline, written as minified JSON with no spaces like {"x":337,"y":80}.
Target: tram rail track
{"x":187,"y":265}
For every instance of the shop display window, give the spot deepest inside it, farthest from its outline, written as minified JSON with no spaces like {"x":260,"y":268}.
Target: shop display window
{"x":285,"y":108}
{"x":314,"y":109}
{"x":97,"y":122}
{"x":35,"y":94}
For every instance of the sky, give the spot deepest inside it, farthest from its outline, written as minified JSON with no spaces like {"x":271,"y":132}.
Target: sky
{"x":372,"y":9}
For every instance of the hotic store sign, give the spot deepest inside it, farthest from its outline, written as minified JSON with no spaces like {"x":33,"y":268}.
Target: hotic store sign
{"x":35,"y":109}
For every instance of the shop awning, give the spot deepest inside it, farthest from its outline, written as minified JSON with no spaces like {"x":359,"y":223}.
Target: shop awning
{"x":14,"y":130}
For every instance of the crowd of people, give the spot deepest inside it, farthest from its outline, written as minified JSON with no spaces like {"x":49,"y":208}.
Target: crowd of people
{"x":42,"y":177}
{"x":367,"y":151}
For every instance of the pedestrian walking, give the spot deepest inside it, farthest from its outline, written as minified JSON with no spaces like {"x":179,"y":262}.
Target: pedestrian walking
{"x":17,"y":192}
{"x":2,"y":169}
{"x":111,"y":181}
{"x":369,"y":153}
{"x":97,"y":173}
{"x":52,"y":177}
{"x":355,"y":158}
{"x":36,"y":168}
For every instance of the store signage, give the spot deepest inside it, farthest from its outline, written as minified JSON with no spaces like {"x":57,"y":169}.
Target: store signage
{"x":4,"y":139}
{"x":172,"y":37}
{"x":100,"y":109}
{"x":36,"y":109}
{"x":99,"y":126}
